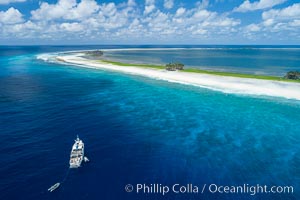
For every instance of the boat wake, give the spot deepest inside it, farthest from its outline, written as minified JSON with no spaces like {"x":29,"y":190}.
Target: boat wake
{"x":76,"y":158}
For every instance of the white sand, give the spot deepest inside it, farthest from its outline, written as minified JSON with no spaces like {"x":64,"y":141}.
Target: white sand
{"x":220,"y":83}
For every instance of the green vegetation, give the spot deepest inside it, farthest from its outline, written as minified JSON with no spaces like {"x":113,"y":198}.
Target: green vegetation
{"x":95,"y":54}
{"x":174,"y":66}
{"x":233,"y":74}
{"x":133,"y":65}
{"x":293,"y":75}
{"x":201,"y":71}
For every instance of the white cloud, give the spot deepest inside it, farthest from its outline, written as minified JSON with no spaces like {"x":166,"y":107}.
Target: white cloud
{"x":149,"y":6}
{"x":268,"y":22}
{"x":284,"y":22}
{"x":257,"y":5}
{"x":253,"y":28}
{"x":180,"y":12}
{"x":53,"y":11}
{"x":147,"y":2}
{"x":11,"y":16}
{"x":203,"y":14}
{"x":11,"y":1}
{"x":84,"y":9}
{"x":291,"y":12}
{"x":131,"y":3}
{"x":109,"y":9}
{"x":193,"y":22}
{"x":109,"y":17}
{"x":199,"y":32}
{"x":126,"y":21}
{"x":202,"y":4}
{"x":168,"y":4}
{"x":66,"y":9}
{"x":295,"y":23}
{"x":149,"y":9}
{"x":285,"y":18}
{"x":72,"y":27}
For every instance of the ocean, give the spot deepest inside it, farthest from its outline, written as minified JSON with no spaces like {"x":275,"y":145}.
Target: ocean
{"x":143,"y":131}
{"x":263,"y":60}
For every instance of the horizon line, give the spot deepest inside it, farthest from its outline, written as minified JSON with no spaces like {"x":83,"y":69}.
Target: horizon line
{"x":150,"y":45}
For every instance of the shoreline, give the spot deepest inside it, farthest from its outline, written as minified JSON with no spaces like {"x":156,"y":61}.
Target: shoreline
{"x":222,"y":83}
{"x":203,"y":71}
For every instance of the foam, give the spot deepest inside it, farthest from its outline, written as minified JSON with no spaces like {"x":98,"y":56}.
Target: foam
{"x":219,"y":83}
{"x":44,"y":57}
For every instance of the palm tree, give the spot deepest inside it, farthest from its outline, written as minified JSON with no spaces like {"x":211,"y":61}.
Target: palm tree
{"x":95,"y":53}
{"x":295,"y":75}
{"x":174,"y":66}
{"x":179,"y":66}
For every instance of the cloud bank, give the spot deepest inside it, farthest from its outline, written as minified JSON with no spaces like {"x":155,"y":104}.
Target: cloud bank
{"x":10,"y":1}
{"x":258,"y":5}
{"x":150,"y":22}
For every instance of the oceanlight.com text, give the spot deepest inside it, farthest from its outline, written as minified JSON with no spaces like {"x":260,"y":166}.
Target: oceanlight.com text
{"x":142,"y":188}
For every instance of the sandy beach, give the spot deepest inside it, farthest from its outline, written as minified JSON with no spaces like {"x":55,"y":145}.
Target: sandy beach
{"x":224,"y":84}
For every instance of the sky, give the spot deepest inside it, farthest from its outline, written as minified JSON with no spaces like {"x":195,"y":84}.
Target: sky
{"x":25,"y":22}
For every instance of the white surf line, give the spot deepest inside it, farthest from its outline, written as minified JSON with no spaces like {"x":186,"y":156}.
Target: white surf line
{"x":224,"y":84}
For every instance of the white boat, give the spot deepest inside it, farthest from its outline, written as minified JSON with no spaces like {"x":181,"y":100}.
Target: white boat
{"x":86,"y":159}
{"x":54,"y":187}
{"x":77,"y":153}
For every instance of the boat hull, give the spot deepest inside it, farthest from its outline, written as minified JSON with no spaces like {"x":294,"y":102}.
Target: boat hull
{"x":77,"y":154}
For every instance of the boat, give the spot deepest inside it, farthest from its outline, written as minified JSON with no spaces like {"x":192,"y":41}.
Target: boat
{"x":86,"y":159}
{"x":54,"y":187}
{"x":77,"y":153}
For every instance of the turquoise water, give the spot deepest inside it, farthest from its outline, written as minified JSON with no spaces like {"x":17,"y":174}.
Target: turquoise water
{"x":266,"y":60}
{"x":136,"y":130}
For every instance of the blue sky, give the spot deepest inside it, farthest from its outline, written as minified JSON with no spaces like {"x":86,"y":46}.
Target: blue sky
{"x":149,"y":22}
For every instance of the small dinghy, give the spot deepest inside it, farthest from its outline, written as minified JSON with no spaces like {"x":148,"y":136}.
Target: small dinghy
{"x":76,"y":158}
{"x":54,"y":187}
{"x":86,"y":159}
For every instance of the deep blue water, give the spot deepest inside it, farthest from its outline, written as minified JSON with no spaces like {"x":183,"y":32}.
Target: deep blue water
{"x":136,"y":130}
